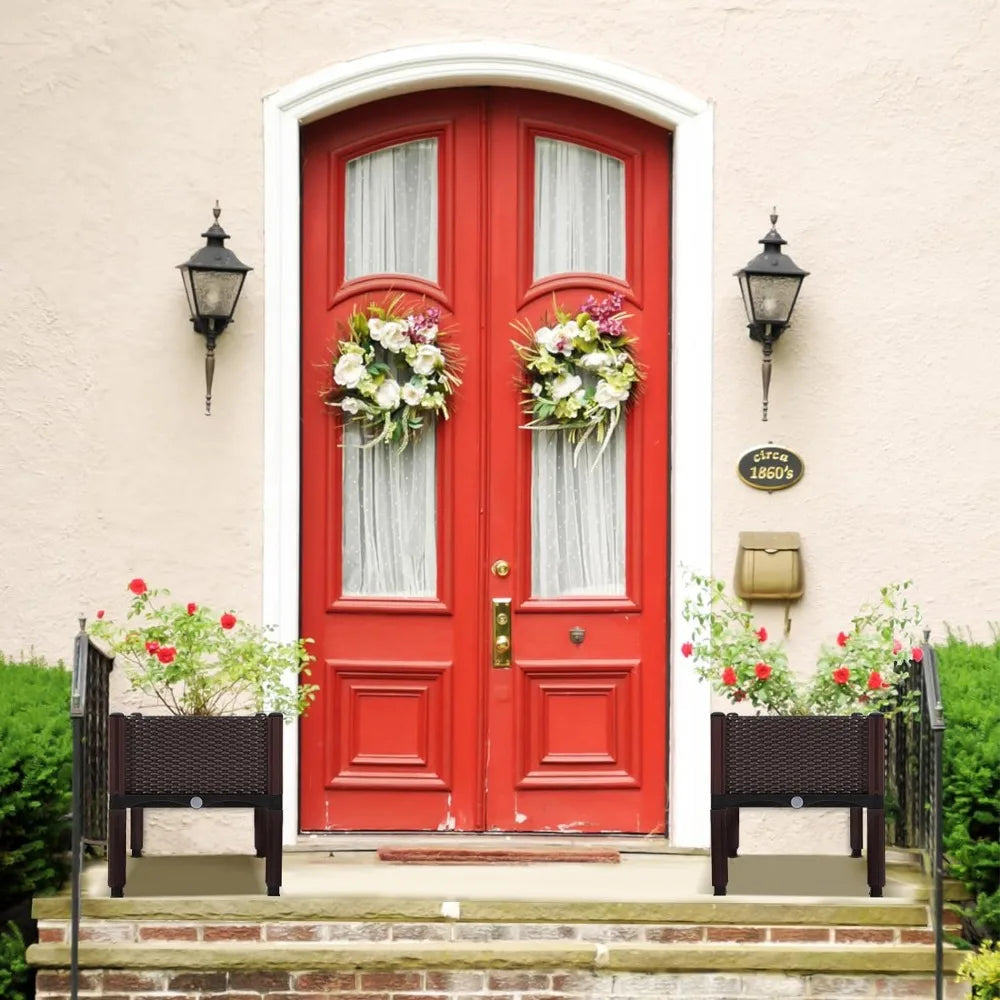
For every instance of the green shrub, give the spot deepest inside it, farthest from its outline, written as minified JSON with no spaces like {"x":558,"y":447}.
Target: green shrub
{"x":971,"y":776}
{"x":982,"y":970}
{"x":35,"y":779}
{"x":15,"y":976}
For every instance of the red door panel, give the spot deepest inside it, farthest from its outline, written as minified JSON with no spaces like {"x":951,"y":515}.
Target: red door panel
{"x":414,"y":728}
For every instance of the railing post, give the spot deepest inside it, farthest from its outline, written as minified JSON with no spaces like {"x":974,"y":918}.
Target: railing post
{"x":77,"y":707}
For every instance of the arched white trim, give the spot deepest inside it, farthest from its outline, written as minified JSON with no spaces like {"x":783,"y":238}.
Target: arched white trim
{"x":505,"y":64}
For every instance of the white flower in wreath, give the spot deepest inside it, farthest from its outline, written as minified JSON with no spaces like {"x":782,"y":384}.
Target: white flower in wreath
{"x":387,"y":394}
{"x":349,"y":370}
{"x":608,"y":396}
{"x":595,"y":360}
{"x":394,"y":337}
{"x":536,"y":388}
{"x":565,"y":385}
{"x":375,"y":328}
{"x":413,"y":393}
{"x":351,"y":405}
{"x":544,"y":337}
{"x":426,"y":358}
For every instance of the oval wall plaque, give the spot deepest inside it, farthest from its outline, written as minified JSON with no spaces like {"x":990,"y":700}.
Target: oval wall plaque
{"x":770,"y":467}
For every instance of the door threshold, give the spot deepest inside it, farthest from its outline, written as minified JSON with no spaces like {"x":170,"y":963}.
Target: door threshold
{"x":367,"y":842}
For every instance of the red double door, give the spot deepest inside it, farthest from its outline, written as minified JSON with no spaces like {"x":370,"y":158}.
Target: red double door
{"x":414,"y":727}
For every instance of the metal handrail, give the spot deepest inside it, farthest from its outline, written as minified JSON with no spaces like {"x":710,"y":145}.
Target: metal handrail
{"x":88,"y":710}
{"x":914,"y":755}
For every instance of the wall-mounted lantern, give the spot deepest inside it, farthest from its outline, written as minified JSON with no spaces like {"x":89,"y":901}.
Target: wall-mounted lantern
{"x":213,"y":280}
{"x":770,"y":285}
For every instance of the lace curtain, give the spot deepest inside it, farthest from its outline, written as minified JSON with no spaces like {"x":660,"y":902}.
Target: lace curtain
{"x":579,"y":210}
{"x":577,"y":517}
{"x":578,"y":509}
{"x":389,"y":544}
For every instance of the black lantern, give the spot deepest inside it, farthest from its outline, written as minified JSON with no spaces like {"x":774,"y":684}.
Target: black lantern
{"x":770,"y":285}
{"x":213,"y":280}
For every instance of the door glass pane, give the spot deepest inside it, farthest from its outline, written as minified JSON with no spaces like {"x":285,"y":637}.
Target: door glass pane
{"x":391,"y":212}
{"x":390,"y":518}
{"x":579,"y":210}
{"x":577,"y":516}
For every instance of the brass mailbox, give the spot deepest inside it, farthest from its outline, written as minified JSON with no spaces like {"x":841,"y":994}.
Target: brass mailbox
{"x":769,"y":566}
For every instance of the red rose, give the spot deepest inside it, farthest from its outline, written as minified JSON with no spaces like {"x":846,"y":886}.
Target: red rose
{"x":729,"y":677}
{"x":192,"y":608}
{"x":166,"y":654}
{"x":841,"y":675}
{"x":227,"y":620}
{"x":152,"y":646}
{"x":896,"y":646}
{"x":137,"y":586}
{"x":100,"y":614}
{"x":842,"y":638}
{"x":875,"y":681}
{"x":917,"y":653}
{"x":761,"y":634}
{"x":740,"y":695}
{"x":763,"y":671}
{"x":686,"y":649}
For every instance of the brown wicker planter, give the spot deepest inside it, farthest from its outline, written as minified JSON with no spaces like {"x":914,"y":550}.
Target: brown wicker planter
{"x":180,"y":761}
{"x":798,"y":762}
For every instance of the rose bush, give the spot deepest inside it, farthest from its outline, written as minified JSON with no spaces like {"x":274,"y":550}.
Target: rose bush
{"x":858,"y":673}
{"x":195,"y":661}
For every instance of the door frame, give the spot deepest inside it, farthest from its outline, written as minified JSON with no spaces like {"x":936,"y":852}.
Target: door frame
{"x":497,"y":63}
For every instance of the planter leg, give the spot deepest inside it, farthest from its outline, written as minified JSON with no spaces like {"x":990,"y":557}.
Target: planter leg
{"x":260,"y":832}
{"x":733,"y":831}
{"x":856,"y":831}
{"x":116,"y":852}
{"x":136,"y":829}
{"x":272,"y":864}
{"x":720,"y":847}
{"x":876,"y":851}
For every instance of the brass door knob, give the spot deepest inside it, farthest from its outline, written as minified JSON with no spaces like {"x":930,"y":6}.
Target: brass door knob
{"x":502,"y":644}
{"x":500,"y":568}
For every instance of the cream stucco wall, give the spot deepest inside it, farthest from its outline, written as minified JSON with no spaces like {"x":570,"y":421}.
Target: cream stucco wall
{"x":874,"y":127}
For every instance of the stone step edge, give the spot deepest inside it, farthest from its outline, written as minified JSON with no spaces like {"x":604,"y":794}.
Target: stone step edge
{"x":649,"y":958}
{"x":722,"y":910}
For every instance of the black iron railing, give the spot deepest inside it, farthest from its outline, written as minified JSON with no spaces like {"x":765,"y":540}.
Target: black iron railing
{"x":913,"y":783}
{"x":88,"y":710}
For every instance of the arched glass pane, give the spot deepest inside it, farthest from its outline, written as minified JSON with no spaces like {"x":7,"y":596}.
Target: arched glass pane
{"x":391,"y":211}
{"x":579,"y":210}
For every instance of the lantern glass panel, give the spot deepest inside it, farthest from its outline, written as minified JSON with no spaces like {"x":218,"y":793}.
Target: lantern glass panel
{"x":189,"y":290}
{"x":772,"y":296}
{"x":216,"y":292}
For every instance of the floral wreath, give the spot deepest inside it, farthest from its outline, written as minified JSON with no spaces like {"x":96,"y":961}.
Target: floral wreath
{"x":390,"y":373}
{"x":579,"y":374}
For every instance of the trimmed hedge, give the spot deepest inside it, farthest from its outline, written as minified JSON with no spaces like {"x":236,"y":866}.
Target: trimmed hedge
{"x":35,"y":799}
{"x":970,"y":691}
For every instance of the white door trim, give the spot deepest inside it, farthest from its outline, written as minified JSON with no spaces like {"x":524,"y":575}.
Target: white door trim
{"x":498,"y":63}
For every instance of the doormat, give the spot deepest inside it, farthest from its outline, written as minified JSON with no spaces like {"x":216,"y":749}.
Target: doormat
{"x":496,"y":856}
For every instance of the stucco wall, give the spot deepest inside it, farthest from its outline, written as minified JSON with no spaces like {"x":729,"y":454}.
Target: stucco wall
{"x":874,"y":128}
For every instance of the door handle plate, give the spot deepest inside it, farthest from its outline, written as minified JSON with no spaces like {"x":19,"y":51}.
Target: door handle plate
{"x":501,"y":633}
